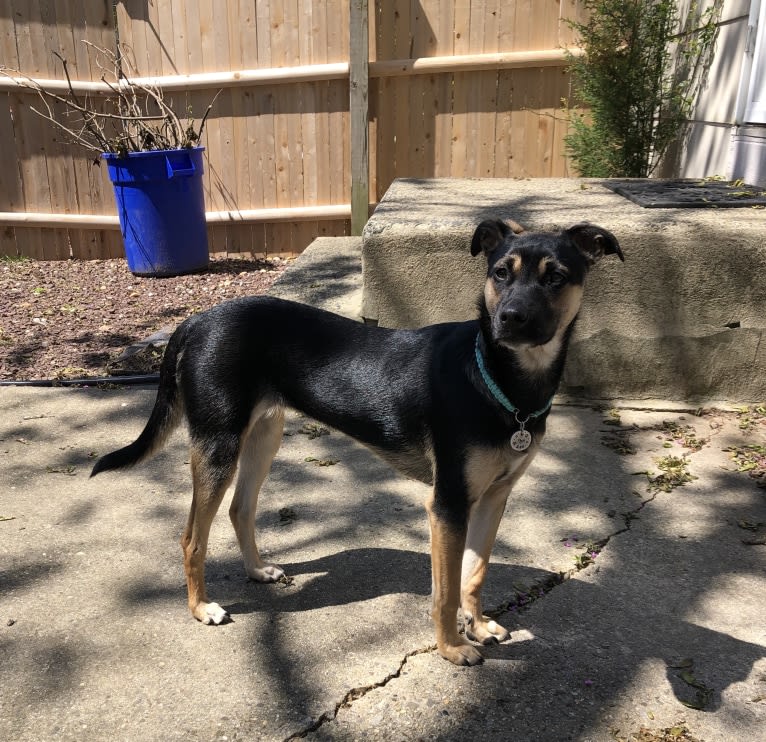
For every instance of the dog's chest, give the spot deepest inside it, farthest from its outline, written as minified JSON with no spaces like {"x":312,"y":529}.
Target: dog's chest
{"x":495,"y":466}
{"x":511,"y":461}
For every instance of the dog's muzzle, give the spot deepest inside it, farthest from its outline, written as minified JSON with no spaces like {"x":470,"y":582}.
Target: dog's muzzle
{"x":516,"y":324}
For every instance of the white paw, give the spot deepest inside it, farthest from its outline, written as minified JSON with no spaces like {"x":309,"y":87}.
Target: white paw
{"x":267,"y":573}
{"x":486,"y":632}
{"x":214,"y":614}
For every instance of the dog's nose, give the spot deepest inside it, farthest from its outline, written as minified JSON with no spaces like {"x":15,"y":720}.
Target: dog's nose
{"x":513,"y":316}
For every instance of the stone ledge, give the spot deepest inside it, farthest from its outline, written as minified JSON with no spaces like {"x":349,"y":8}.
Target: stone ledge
{"x":327,"y":274}
{"x":682,"y":318}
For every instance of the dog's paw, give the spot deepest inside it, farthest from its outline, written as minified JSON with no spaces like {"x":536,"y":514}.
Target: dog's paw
{"x":266,"y":573}
{"x":211,"y":614}
{"x":461,"y":654}
{"x":486,"y":632}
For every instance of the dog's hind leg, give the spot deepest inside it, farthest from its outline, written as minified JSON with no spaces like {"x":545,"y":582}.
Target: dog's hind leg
{"x":258,"y":449}
{"x":213,"y":464}
{"x":483,"y":523}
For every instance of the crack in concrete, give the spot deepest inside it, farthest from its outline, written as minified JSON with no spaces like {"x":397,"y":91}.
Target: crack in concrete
{"x":524,"y":600}
{"x":356,"y":693}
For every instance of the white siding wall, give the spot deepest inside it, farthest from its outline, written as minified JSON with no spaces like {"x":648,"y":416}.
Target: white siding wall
{"x":706,"y":149}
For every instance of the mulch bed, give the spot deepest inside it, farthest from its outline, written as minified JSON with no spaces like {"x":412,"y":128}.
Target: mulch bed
{"x":74,"y":318}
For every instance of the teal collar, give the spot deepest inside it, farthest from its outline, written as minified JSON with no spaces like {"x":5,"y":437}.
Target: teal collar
{"x":497,"y":393}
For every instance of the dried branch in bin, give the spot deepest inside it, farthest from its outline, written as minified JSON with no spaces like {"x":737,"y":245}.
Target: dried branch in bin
{"x":130,"y":114}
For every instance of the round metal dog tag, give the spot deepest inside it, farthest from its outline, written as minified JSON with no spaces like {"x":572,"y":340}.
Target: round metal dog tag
{"x":521,"y":440}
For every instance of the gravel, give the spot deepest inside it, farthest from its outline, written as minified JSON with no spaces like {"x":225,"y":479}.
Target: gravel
{"x":74,"y":318}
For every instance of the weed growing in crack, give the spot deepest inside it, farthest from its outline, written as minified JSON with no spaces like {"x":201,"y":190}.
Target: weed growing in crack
{"x":286,"y":516}
{"x":757,"y":528}
{"x":524,"y":596}
{"x":674,"y":472}
{"x":617,"y":437}
{"x":670,"y":431}
{"x":684,"y":435}
{"x":750,"y":459}
{"x":584,"y":560}
{"x":751,"y":417}
{"x":612,"y":417}
{"x":321,"y":462}
{"x":591,"y":549}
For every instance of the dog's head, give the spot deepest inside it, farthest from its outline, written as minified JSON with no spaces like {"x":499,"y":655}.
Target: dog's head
{"x":535,"y":280}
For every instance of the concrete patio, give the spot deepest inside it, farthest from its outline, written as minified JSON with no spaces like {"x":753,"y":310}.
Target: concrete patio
{"x":661,"y":629}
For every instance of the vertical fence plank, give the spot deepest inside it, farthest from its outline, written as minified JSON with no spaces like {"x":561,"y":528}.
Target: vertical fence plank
{"x":372,"y":106}
{"x":443,"y":27}
{"x":461,"y":90}
{"x":358,"y":97}
{"x":402,"y":44}
{"x":11,"y":195}
{"x":419,"y":34}
{"x":321,"y":53}
{"x":504,"y":93}
{"x":337,"y":97}
{"x":474,"y":90}
{"x":298,"y":147}
{"x":337,"y":44}
{"x":488,"y":104}
{"x":99,"y":28}
{"x":11,"y":198}
{"x":306,"y":27}
{"x":68,"y":29}
{"x":29,"y":132}
{"x":383,"y":165}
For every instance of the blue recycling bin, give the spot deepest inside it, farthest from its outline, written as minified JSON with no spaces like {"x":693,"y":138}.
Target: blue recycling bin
{"x":162,"y":210}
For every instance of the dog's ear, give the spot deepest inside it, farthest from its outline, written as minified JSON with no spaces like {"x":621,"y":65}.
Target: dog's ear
{"x":488,"y":235}
{"x":594,"y":242}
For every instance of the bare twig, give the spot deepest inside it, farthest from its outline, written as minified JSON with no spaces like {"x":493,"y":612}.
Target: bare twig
{"x":78,"y":138}
{"x":131,"y":117}
{"x":91,"y":121}
{"x":207,"y":113}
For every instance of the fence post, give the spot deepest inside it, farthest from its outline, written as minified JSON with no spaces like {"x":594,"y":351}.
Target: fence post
{"x":358,"y":113}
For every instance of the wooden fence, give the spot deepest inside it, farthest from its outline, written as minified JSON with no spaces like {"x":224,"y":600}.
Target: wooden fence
{"x":456,"y":88}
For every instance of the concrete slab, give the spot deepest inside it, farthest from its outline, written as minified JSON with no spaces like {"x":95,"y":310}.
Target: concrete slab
{"x":96,"y":640}
{"x":683,"y":318}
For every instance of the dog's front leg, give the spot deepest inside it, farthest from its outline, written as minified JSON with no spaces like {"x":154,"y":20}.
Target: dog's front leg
{"x":483,"y":523}
{"x":447,"y":544}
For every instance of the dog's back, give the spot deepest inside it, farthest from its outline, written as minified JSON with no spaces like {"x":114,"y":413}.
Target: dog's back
{"x":221,"y":365}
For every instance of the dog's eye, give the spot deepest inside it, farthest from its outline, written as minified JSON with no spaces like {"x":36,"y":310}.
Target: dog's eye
{"x":502,"y":273}
{"x":555,"y":278}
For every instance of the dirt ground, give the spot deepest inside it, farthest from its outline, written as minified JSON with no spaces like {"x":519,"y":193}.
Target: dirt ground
{"x":74,"y":318}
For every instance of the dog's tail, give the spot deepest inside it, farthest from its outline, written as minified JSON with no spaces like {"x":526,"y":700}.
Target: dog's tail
{"x":165,"y":415}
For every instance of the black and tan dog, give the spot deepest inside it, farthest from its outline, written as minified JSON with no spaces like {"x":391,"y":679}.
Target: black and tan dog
{"x":461,"y":406}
